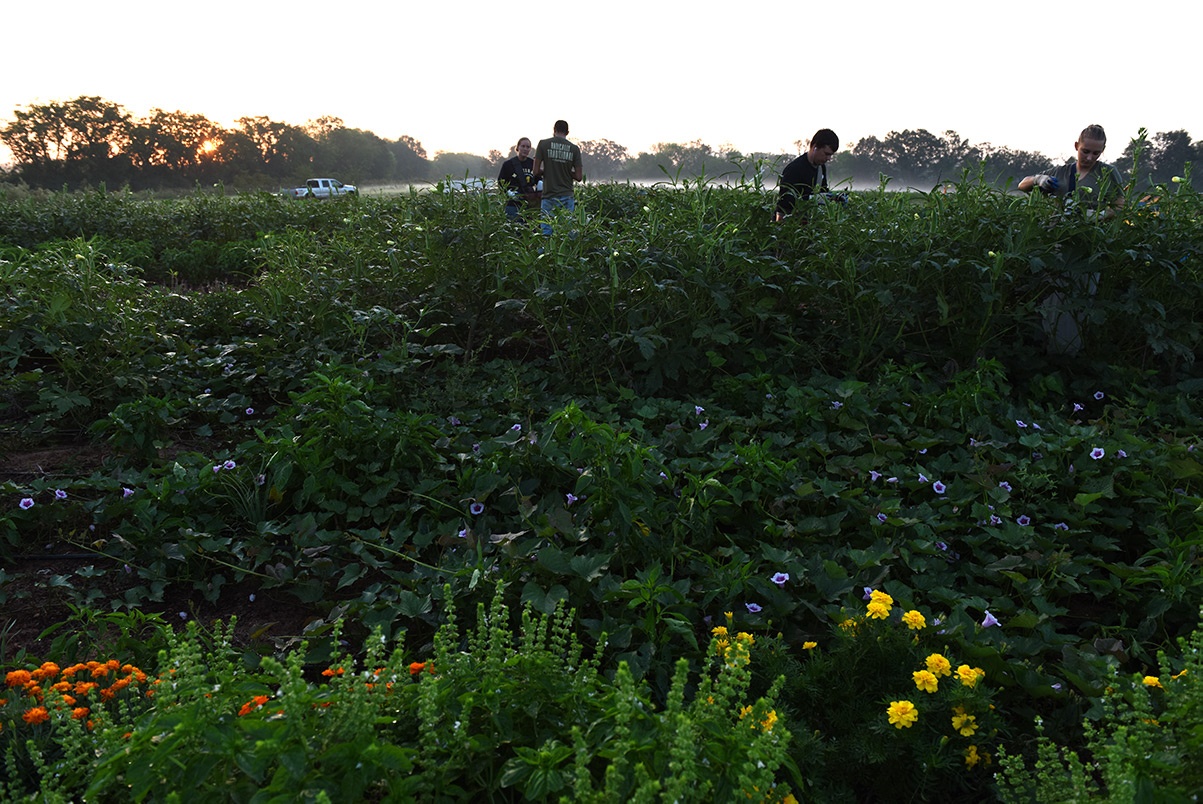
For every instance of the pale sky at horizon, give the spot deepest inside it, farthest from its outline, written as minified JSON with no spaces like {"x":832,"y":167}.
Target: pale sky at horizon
{"x":635,"y":72}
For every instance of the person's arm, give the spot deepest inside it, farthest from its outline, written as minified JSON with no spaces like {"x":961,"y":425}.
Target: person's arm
{"x":537,"y":170}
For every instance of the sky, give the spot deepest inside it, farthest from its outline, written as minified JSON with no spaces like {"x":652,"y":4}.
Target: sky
{"x":756,"y":75}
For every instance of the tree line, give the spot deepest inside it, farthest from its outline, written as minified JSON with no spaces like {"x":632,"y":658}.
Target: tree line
{"x":90,"y":141}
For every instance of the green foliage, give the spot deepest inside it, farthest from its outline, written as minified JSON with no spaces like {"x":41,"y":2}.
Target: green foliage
{"x":509,"y":711}
{"x":1145,"y":747}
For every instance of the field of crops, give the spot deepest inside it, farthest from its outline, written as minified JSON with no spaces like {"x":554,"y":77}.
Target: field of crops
{"x":818,"y":511}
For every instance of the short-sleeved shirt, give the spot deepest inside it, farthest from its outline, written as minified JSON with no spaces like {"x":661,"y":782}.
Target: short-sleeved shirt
{"x":560,"y":159}
{"x":1103,"y":180}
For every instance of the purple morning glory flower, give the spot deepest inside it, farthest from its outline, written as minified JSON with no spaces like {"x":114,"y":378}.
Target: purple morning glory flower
{"x":874,"y":475}
{"x":990,"y":621}
{"x":517,"y":428}
{"x":1020,"y":424}
{"x":1005,"y":486}
{"x":704,"y":425}
{"x":891,"y":480}
{"x":1121,"y":454}
{"x":216,"y":468}
{"x":1060,"y":526}
{"x":1024,"y":520}
{"x":942,"y":546}
{"x":1097,"y":453}
{"x":1077,"y":407}
{"x":882,"y":518}
{"x":570,"y":498}
{"x":453,"y":421}
{"x":994,"y":520}
{"x":1098,"y":394}
{"x":477,"y":508}
{"x":1057,"y":686}
{"x":127,"y":492}
{"x":922,"y":478}
{"x":837,"y":405}
{"x":229,"y":465}
{"x":753,"y":607}
{"x":780,"y":578}
{"x":938,"y":487}
{"x":250,"y":411}
{"x":868,"y":595}
{"x":26,"y":503}
{"x":260,"y":480}
{"x":698,"y":409}
{"x":59,"y":494}
{"x":1035,"y":426}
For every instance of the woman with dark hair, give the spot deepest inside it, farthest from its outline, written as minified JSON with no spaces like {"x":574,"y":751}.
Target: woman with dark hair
{"x":516,"y":180}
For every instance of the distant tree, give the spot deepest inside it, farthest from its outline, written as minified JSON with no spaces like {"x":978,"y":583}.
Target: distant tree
{"x":459,"y":165}
{"x":409,"y":160}
{"x":353,"y":154}
{"x":671,"y":159}
{"x":603,"y":159}
{"x":74,"y":142}
{"x":173,"y":147}
{"x":1006,"y":166}
{"x":496,"y":157}
{"x":285,"y":150}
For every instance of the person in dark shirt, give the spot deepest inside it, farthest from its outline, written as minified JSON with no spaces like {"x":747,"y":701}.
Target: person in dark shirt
{"x":807,"y":174}
{"x":516,"y":179}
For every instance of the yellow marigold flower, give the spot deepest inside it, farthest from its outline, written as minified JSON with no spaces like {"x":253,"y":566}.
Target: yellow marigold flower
{"x":719,"y":631}
{"x":1180,"y":675}
{"x":965,"y":724}
{"x":902,"y":714}
{"x":849,"y":624}
{"x":971,"y":756}
{"x":914,"y":620}
{"x":1152,"y":681}
{"x":969,"y":675}
{"x":747,"y":710}
{"x":809,"y":645}
{"x":744,"y":636}
{"x":769,"y":720}
{"x":877,"y":596}
{"x":938,"y":665}
{"x":878,"y":610}
{"x":721,"y":646}
{"x":926,"y":680}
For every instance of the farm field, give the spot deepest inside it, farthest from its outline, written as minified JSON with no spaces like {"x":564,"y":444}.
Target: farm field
{"x":820,"y":511}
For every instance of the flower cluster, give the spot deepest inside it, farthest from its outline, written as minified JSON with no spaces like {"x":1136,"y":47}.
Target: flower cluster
{"x":77,"y":688}
{"x":735,"y":650}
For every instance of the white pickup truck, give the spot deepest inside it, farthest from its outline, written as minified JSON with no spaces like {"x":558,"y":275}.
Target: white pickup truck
{"x":323,"y":188}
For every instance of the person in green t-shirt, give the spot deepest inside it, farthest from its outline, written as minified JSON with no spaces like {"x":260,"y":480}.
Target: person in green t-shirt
{"x":558,"y":164}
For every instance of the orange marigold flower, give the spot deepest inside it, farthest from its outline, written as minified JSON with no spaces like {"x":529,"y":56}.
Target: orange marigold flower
{"x":18,"y":678}
{"x":330,"y":672}
{"x":79,"y":713}
{"x":84,"y":687}
{"x":69,"y":700}
{"x":120,"y":684}
{"x":113,"y":664}
{"x":100,"y":671}
{"x":47,"y":670}
{"x":416,"y":667}
{"x":37,"y":714}
{"x":61,"y":686}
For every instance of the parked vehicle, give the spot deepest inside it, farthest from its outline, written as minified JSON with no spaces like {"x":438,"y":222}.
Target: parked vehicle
{"x":324,"y":188}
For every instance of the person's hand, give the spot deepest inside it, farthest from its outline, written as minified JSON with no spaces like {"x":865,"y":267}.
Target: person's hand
{"x":1047,"y":184}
